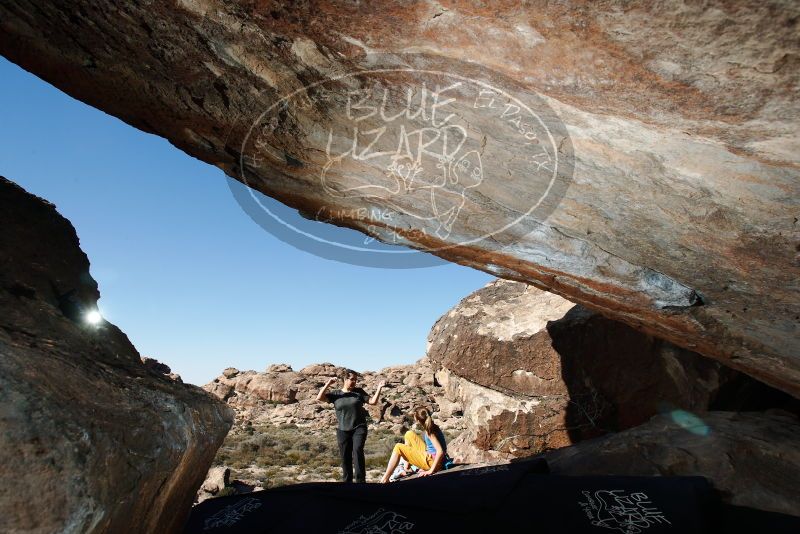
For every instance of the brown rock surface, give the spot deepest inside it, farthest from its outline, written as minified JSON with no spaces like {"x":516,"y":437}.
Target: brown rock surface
{"x":534,"y":372}
{"x":91,"y":440}
{"x":752,"y":458}
{"x":676,"y":126}
{"x":161,"y":368}
{"x":217,"y":479}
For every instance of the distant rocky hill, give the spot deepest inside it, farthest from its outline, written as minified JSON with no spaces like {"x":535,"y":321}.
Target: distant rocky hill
{"x":281,"y":395}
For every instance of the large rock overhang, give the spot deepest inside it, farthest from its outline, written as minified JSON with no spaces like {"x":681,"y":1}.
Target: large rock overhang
{"x":675,"y":205}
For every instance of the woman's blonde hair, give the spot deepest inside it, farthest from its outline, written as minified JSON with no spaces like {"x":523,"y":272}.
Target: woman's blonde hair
{"x":422,"y":415}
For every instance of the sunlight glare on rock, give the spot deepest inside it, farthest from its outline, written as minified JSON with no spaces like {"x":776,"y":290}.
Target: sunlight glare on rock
{"x":93,"y":317}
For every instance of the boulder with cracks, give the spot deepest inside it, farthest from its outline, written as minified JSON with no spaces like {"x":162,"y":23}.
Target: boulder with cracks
{"x":91,"y":440}
{"x":751,"y":458}
{"x":533,"y":371}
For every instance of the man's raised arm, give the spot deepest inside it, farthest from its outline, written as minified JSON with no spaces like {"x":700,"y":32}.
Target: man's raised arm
{"x":374,"y":399}
{"x":324,"y":390}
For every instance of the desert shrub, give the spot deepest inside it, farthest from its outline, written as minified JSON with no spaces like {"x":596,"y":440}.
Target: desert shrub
{"x":248,"y":447}
{"x":266,"y":440}
{"x":274,"y":448}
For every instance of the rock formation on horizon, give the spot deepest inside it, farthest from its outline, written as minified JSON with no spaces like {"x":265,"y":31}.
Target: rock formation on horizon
{"x":673,"y":206}
{"x":91,"y":438}
{"x":280,"y":395}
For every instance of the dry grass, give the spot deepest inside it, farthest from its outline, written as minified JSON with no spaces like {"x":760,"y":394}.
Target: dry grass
{"x":284,"y":452}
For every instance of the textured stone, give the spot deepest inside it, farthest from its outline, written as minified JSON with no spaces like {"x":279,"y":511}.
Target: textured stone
{"x":217,"y":478}
{"x":535,"y":372}
{"x":680,"y":133}
{"x":160,"y":368}
{"x":323,"y":371}
{"x":230,"y":372}
{"x":156,"y":366}
{"x":751,"y":458}
{"x":91,"y":440}
{"x":259,"y":398}
{"x":271,"y":388}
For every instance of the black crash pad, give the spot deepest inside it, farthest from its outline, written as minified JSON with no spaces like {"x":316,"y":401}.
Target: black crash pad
{"x":517,"y":497}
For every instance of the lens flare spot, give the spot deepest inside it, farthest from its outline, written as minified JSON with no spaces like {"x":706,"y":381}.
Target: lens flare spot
{"x":690,"y":422}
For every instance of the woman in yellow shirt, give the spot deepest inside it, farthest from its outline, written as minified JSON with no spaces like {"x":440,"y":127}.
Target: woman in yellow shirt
{"x":429,"y":453}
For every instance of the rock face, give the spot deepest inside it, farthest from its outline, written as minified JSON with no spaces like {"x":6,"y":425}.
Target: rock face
{"x":281,"y":395}
{"x":534,"y":372}
{"x":751,"y":458}
{"x":100,"y":441}
{"x":641,"y":160}
{"x":161,"y":368}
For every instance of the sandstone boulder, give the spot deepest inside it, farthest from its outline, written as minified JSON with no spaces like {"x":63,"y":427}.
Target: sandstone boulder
{"x":219,"y":389}
{"x":271,"y":388}
{"x":160,"y":368}
{"x":216,"y":479}
{"x":230,"y":372}
{"x":535,"y":372}
{"x":322,"y":371}
{"x":751,"y":458}
{"x":91,"y":440}
{"x":156,"y":366}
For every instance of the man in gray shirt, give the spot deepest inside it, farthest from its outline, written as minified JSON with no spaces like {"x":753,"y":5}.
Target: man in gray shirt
{"x":351,"y":432}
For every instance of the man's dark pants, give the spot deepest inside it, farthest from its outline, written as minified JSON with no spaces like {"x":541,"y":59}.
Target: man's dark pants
{"x":351,"y":447}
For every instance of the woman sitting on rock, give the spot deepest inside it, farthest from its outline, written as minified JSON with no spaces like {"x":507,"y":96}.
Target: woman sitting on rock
{"x":429,"y":453}
{"x":351,"y":417}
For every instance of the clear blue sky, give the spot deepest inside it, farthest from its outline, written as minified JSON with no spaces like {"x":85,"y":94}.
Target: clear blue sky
{"x":184,"y":272}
